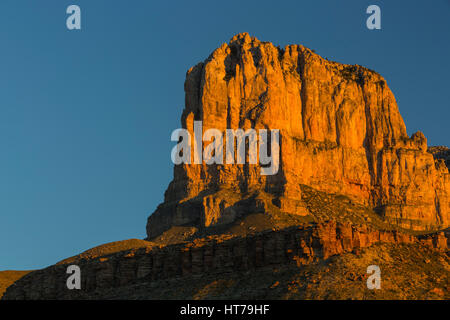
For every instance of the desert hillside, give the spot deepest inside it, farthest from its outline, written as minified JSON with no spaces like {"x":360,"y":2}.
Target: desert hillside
{"x":8,"y":277}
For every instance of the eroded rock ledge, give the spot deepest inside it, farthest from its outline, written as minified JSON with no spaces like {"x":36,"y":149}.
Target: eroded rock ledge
{"x":214,"y":255}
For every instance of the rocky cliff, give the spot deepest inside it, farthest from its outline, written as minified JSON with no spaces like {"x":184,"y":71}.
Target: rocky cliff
{"x":340,"y":132}
{"x":352,"y":189}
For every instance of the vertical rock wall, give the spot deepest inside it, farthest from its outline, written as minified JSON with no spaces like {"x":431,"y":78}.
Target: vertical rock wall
{"x":341,"y":132}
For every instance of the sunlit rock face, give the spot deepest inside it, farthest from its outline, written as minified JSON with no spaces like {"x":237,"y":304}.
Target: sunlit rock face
{"x":340,"y":132}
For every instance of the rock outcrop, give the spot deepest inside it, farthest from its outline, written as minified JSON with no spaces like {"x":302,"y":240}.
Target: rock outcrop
{"x":441,"y":155}
{"x":340,"y":132}
{"x":348,"y":177}
{"x":104,"y":275}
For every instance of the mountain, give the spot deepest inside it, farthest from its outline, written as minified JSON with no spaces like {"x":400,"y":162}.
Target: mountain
{"x":337,"y":186}
{"x":340,"y":132}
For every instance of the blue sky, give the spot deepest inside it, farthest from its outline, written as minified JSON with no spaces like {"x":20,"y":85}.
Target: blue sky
{"x":86,"y":116}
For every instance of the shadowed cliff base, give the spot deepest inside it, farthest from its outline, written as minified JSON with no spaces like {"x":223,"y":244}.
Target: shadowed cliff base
{"x":294,"y":249}
{"x":318,"y":207}
{"x":410,"y":272}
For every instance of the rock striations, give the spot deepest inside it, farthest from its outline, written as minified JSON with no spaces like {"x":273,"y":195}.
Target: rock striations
{"x":340,"y":132}
{"x":104,"y":276}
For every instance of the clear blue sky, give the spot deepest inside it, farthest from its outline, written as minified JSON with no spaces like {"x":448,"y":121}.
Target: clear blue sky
{"x":86,"y":116}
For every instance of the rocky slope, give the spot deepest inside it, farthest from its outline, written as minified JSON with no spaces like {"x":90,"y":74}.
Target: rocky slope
{"x":341,"y":132}
{"x":111,"y":275}
{"x":8,"y":277}
{"x":408,"y":272}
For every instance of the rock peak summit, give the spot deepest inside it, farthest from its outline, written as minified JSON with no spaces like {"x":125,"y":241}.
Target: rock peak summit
{"x":340,"y":133}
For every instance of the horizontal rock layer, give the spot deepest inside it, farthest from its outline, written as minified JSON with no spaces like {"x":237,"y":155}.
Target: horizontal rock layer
{"x":295,"y":245}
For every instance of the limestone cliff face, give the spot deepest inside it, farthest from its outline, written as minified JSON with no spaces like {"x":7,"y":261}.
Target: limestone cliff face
{"x":340,"y":132}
